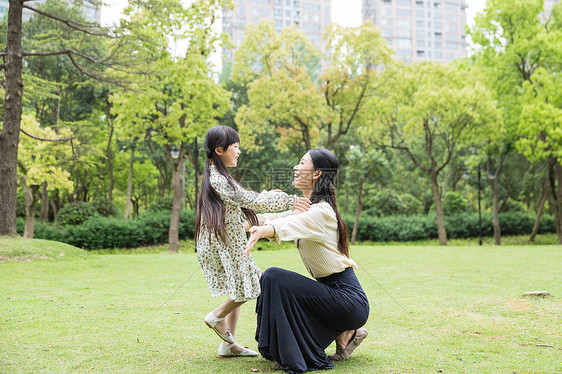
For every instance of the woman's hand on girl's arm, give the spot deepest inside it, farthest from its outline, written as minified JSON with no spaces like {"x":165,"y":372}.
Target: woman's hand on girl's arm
{"x":302,"y":204}
{"x":256,"y":233}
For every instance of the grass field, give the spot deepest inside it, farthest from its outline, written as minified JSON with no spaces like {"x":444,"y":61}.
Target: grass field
{"x":63,"y":310}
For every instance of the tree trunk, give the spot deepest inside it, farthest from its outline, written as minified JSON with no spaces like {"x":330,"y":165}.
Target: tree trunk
{"x":358,"y":213}
{"x":55,"y":207}
{"x":554,"y":176}
{"x":9,"y":136}
{"x":110,"y":161}
{"x":173,"y":235}
{"x":439,"y":215}
{"x":130,"y":183}
{"x":31,"y":195}
{"x":44,"y":202}
{"x":536,"y":226}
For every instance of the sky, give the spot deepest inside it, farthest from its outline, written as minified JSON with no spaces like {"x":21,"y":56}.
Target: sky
{"x":344,"y":12}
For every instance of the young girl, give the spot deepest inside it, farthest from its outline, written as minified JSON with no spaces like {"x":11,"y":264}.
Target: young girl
{"x":222,"y":209}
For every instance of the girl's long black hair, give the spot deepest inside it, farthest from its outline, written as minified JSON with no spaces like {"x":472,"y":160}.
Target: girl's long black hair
{"x":211,"y":210}
{"x":325,"y":190}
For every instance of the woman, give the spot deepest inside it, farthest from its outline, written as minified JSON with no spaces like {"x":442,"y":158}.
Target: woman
{"x":298,"y":318}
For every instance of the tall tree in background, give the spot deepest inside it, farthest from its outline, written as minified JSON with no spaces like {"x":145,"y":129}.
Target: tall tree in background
{"x":87,"y":64}
{"x":181,"y":101}
{"x":426,"y":112}
{"x":38,"y":165}
{"x":287,"y":94}
{"x":364,"y":165}
{"x":518,"y":46}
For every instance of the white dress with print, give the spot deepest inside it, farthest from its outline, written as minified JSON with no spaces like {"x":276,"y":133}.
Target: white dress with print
{"x":227,"y":272}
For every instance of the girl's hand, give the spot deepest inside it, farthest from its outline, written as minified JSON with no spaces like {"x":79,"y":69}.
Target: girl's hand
{"x":302,"y":204}
{"x":256,"y":233}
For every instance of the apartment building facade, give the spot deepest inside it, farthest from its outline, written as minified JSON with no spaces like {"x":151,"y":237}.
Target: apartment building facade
{"x":311,"y":16}
{"x":421,"y":29}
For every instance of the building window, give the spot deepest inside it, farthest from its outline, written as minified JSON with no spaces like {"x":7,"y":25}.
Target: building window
{"x":403,"y":23}
{"x":403,"y":13}
{"x":452,"y":46}
{"x":420,"y":53}
{"x":404,"y":33}
{"x":400,"y":42}
{"x":451,"y":8}
{"x":386,"y":32}
{"x":452,"y":37}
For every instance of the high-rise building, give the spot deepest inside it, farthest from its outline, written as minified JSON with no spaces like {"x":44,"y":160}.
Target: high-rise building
{"x":91,"y":12}
{"x":311,"y":16}
{"x":421,"y":29}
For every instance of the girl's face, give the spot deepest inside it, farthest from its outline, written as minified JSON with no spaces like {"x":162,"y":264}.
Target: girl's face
{"x":304,"y":176}
{"x":230,"y":156}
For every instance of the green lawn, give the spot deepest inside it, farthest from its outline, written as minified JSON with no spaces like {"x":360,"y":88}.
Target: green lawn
{"x":84,"y":312}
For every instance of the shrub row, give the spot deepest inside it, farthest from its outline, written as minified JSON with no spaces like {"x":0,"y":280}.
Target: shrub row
{"x":109,"y":232}
{"x":464,"y":225}
{"x":152,"y":228}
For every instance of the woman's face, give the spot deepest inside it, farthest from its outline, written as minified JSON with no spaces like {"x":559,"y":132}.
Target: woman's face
{"x":230,"y":156}
{"x":303,"y":174}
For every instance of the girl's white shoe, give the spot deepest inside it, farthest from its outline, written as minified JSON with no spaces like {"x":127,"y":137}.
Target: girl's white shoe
{"x":211,"y":320}
{"x":226,"y":351}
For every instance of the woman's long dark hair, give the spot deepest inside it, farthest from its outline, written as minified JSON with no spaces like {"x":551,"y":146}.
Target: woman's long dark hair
{"x":210,"y":208}
{"x":325,"y":190}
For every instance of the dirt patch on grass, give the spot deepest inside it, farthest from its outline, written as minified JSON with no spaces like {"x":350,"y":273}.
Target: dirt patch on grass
{"x":519,"y":305}
{"x":27,"y":258}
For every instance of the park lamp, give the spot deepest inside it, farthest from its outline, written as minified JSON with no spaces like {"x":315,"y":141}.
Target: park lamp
{"x":466,"y":175}
{"x":175,"y":152}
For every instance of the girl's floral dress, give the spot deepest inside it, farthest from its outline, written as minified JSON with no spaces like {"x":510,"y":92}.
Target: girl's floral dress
{"x":227,"y":272}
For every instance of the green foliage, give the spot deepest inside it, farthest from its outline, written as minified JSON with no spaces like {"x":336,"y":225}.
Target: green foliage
{"x":161,"y":204}
{"x":453,"y":203}
{"x":105,"y":208}
{"x":75,"y":213}
{"x":388,"y":202}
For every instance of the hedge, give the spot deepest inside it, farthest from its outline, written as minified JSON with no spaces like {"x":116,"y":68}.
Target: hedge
{"x":152,"y":228}
{"x":108,"y":232}
{"x":464,"y":225}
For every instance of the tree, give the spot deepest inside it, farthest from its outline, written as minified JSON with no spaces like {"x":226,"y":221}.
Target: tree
{"x":286,"y":95}
{"x":426,"y":113}
{"x":89,"y":65}
{"x":364,"y":166}
{"x":514,"y":45}
{"x":541,"y":128}
{"x":181,"y":101}
{"x":38,"y":165}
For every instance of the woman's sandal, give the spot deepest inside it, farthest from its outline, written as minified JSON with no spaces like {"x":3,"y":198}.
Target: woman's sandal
{"x":211,"y":320}
{"x":276,"y":366}
{"x":344,"y":353}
